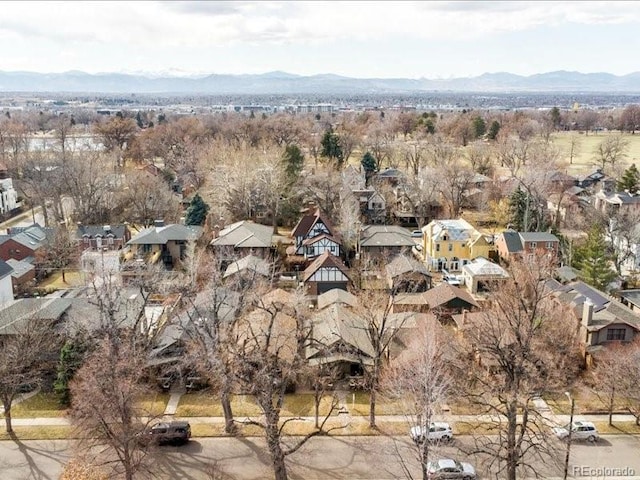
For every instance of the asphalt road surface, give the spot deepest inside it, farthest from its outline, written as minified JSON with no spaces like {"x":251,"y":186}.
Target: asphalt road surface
{"x":350,"y":458}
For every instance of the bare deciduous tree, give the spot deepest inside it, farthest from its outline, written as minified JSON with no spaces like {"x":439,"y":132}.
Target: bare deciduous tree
{"x":611,"y":150}
{"x":419,"y":377}
{"x":26,"y":352}
{"x":522,"y":344}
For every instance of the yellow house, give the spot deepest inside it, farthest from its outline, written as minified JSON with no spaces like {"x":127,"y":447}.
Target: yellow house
{"x":451,"y":244}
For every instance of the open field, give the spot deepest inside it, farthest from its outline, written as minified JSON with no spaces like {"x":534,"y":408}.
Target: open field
{"x":583,"y":161}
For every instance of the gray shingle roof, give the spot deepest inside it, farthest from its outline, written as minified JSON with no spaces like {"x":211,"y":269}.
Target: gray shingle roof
{"x":249,"y":263}
{"x":386,"y":236}
{"x":5,"y":269}
{"x":538,"y":237}
{"x":512,"y":241}
{"x":402,"y":264}
{"x":162,"y":235}
{"x":15,"y":315}
{"x":20,"y":267}
{"x":92,"y":231}
{"x":245,"y":234}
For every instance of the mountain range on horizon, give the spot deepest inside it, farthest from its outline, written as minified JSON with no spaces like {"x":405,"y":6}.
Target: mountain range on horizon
{"x":278,"y":82}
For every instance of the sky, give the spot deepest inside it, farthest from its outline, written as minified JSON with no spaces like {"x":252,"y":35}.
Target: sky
{"x":360,"y":39}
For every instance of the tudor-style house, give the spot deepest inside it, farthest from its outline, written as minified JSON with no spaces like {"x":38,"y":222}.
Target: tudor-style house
{"x":313,"y":236}
{"x":325,"y":273}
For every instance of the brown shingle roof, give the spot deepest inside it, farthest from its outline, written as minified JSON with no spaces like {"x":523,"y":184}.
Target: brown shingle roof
{"x":324,"y":260}
{"x":444,"y":293}
{"x":307,"y":222}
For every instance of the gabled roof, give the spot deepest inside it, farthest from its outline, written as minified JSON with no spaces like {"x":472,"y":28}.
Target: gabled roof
{"x":385,"y":236}
{"x":402,"y":264}
{"x":306,"y":223}
{"x":620,"y":198}
{"x":337,"y":324}
{"x":118,"y":231}
{"x":312,"y":240}
{"x":249,"y":263}
{"x":512,"y":241}
{"x":245,"y":234}
{"x":444,"y":293}
{"x":456,"y":229}
{"x":162,"y":235}
{"x":336,"y":296}
{"x":324,"y":261}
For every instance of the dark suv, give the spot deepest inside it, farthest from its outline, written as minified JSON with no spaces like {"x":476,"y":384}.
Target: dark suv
{"x":167,"y":432}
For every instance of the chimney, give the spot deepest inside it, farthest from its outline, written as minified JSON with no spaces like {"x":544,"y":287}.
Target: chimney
{"x":158,"y":223}
{"x":106,"y":228}
{"x":587,"y":313}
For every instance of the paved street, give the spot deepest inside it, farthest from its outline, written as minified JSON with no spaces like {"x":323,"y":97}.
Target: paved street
{"x":350,"y":458}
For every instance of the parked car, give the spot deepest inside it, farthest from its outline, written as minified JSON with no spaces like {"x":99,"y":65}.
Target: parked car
{"x":446,"y":468}
{"x":580,"y":430}
{"x":416,"y":233}
{"x":167,"y":432}
{"x":437,"y":431}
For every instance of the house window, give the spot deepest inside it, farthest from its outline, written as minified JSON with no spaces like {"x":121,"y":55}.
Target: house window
{"x":85,"y":239}
{"x":533,"y":245}
{"x":549,"y":245}
{"x":109,"y":240}
{"x":451,"y":247}
{"x":615,"y":334}
{"x":437,"y":247}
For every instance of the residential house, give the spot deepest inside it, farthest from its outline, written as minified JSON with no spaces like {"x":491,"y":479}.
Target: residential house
{"x":481,"y":274}
{"x":617,"y":202}
{"x":384,"y":241}
{"x":248,"y":268}
{"x":15,"y":316}
{"x":630,"y":298}
{"x":596,"y":181}
{"x":451,"y":244}
{"x":24,"y":242}
{"x":601,"y":320}
{"x":449,"y":298}
{"x":564,"y":207}
{"x":243,"y":238}
{"x":161,"y":243}
{"x":23,"y":274}
{"x":102,"y":237}
{"x":6,"y":283}
{"x":336,"y":296}
{"x":325,"y":273}
{"x":314,"y":235}
{"x":353,"y":179}
{"x":373,"y":206}
{"x":527,"y":245}
{"x":407,"y":275}
{"x":390,"y":176}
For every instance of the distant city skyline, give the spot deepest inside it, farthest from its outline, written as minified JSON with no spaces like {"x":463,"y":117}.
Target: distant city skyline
{"x":356,"y":39}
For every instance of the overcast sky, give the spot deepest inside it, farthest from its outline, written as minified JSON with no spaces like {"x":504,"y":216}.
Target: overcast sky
{"x":357,"y":39}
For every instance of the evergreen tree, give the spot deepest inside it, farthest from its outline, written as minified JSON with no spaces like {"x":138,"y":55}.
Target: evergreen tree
{"x":331,"y":148}
{"x":526,"y":215}
{"x":629,"y":180}
{"x":517,"y":209}
{"x":594,"y":261}
{"x":293,"y":162}
{"x":197,"y":211}
{"x":139,"y":121}
{"x":479,"y":127}
{"x":554,"y":114}
{"x":368,"y":163}
{"x":71,"y":357}
{"x":493,"y":130}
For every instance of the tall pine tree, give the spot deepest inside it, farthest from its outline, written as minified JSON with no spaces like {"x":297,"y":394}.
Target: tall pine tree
{"x":630,"y":179}
{"x":594,"y":261}
{"x":197,"y":211}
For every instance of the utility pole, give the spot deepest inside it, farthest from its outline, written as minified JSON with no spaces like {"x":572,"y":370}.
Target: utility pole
{"x":566,"y":458}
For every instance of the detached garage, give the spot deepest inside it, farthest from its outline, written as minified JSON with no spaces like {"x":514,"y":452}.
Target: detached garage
{"x":325,"y":273}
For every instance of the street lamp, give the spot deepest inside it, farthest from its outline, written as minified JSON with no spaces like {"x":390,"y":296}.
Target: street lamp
{"x":566,"y":458}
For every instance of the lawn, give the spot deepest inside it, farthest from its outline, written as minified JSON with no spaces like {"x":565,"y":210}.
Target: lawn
{"x":358,"y":404}
{"x":73,"y":278}
{"x":39,"y":433}
{"x":583,"y":161}
{"x":207,"y":405}
{"x":586,"y":402}
{"x":154,"y":405}
{"x":40,"y":405}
